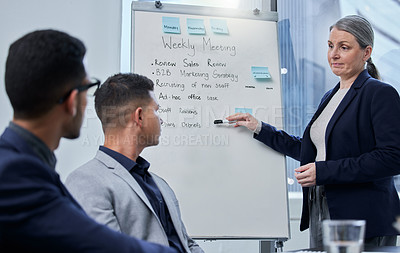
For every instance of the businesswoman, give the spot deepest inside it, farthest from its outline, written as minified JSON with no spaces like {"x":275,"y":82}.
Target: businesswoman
{"x":350,"y":150}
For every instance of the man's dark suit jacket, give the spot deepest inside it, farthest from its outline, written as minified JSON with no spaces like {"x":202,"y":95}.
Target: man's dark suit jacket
{"x":37,"y":214}
{"x":362,"y":155}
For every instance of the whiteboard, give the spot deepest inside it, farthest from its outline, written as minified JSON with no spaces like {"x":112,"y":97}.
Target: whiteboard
{"x":228,"y":184}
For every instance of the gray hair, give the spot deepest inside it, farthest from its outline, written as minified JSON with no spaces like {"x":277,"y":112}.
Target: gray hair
{"x":359,"y":27}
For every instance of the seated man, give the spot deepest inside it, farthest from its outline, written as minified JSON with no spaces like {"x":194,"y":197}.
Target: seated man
{"x":116,"y":187}
{"x":46,"y":83}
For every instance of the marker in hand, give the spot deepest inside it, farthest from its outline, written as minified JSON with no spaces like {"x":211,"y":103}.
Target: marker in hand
{"x":220,"y":121}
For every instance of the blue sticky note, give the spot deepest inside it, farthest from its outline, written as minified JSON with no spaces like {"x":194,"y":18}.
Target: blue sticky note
{"x":171,"y":25}
{"x":260,"y":72}
{"x":195,"y":26}
{"x":244,"y":110}
{"x":219,"y":26}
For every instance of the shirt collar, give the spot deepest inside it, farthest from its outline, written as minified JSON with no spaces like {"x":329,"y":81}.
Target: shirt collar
{"x":141,"y":166}
{"x":37,"y":145}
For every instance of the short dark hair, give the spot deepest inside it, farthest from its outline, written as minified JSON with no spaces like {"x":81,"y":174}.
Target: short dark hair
{"x":41,"y":66}
{"x":121,"y":94}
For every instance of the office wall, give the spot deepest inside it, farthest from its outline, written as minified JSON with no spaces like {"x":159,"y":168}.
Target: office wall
{"x":98,"y":24}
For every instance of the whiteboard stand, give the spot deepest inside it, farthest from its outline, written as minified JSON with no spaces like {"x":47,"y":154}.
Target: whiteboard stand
{"x":267,"y":246}
{"x":202,"y":77}
{"x":271,"y":246}
{"x":279,"y":246}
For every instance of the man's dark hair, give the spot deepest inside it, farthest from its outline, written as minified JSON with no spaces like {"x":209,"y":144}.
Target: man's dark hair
{"x":121,"y":94}
{"x":41,"y":67}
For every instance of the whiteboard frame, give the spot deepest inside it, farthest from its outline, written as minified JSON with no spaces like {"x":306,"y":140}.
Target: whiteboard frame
{"x":194,"y":10}
{"x":217,"y":12}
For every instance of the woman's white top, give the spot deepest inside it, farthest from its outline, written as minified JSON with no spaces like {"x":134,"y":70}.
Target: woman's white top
{"x":318,"y":128}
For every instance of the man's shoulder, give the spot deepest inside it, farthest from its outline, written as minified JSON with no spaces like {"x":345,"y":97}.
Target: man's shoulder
{"x":157,"y":177}
{"x":11,"y":155}
{"x":90,"y":167}
{"x":7,"y":144}
{"x":161,"y":182}
{"x":13,"y":146}
{"x":7,"y":151}
{"x":91,"y":174}
{"x":19,"y":168}
{"x":12,"y":159}
{"x":96,"y":169}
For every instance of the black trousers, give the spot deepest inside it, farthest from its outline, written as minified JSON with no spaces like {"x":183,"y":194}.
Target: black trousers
{"x":390,"y":240}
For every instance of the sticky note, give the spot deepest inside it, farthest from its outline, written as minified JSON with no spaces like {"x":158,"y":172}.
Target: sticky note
{"x":219,"y":26}
{"x":244,"y":110}
{"x":260,"y":72}
{"x":195,"y":26}
{"x":171,"y":25}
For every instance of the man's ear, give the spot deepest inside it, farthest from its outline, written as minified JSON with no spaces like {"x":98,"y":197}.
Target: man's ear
{"x":138,"y":116}
{"x":71,"y":103}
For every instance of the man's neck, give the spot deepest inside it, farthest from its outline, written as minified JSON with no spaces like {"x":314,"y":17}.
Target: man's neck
{"x":45,"y":131}
{"x":123,"y":144}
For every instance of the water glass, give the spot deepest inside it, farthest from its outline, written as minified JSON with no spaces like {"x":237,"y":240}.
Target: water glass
{"x":343,"y":236}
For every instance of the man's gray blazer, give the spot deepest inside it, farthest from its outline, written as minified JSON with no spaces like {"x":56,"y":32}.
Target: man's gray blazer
{"x":111,"y":195}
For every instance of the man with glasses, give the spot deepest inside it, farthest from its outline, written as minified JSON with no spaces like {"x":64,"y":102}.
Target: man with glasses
{"x":46,"y":83}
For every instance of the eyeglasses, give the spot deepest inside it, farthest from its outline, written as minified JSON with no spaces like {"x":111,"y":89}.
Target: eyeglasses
{"x":90,"y":87}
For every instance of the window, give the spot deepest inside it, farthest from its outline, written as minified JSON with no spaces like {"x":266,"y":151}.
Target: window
{"x":303,"y":33}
